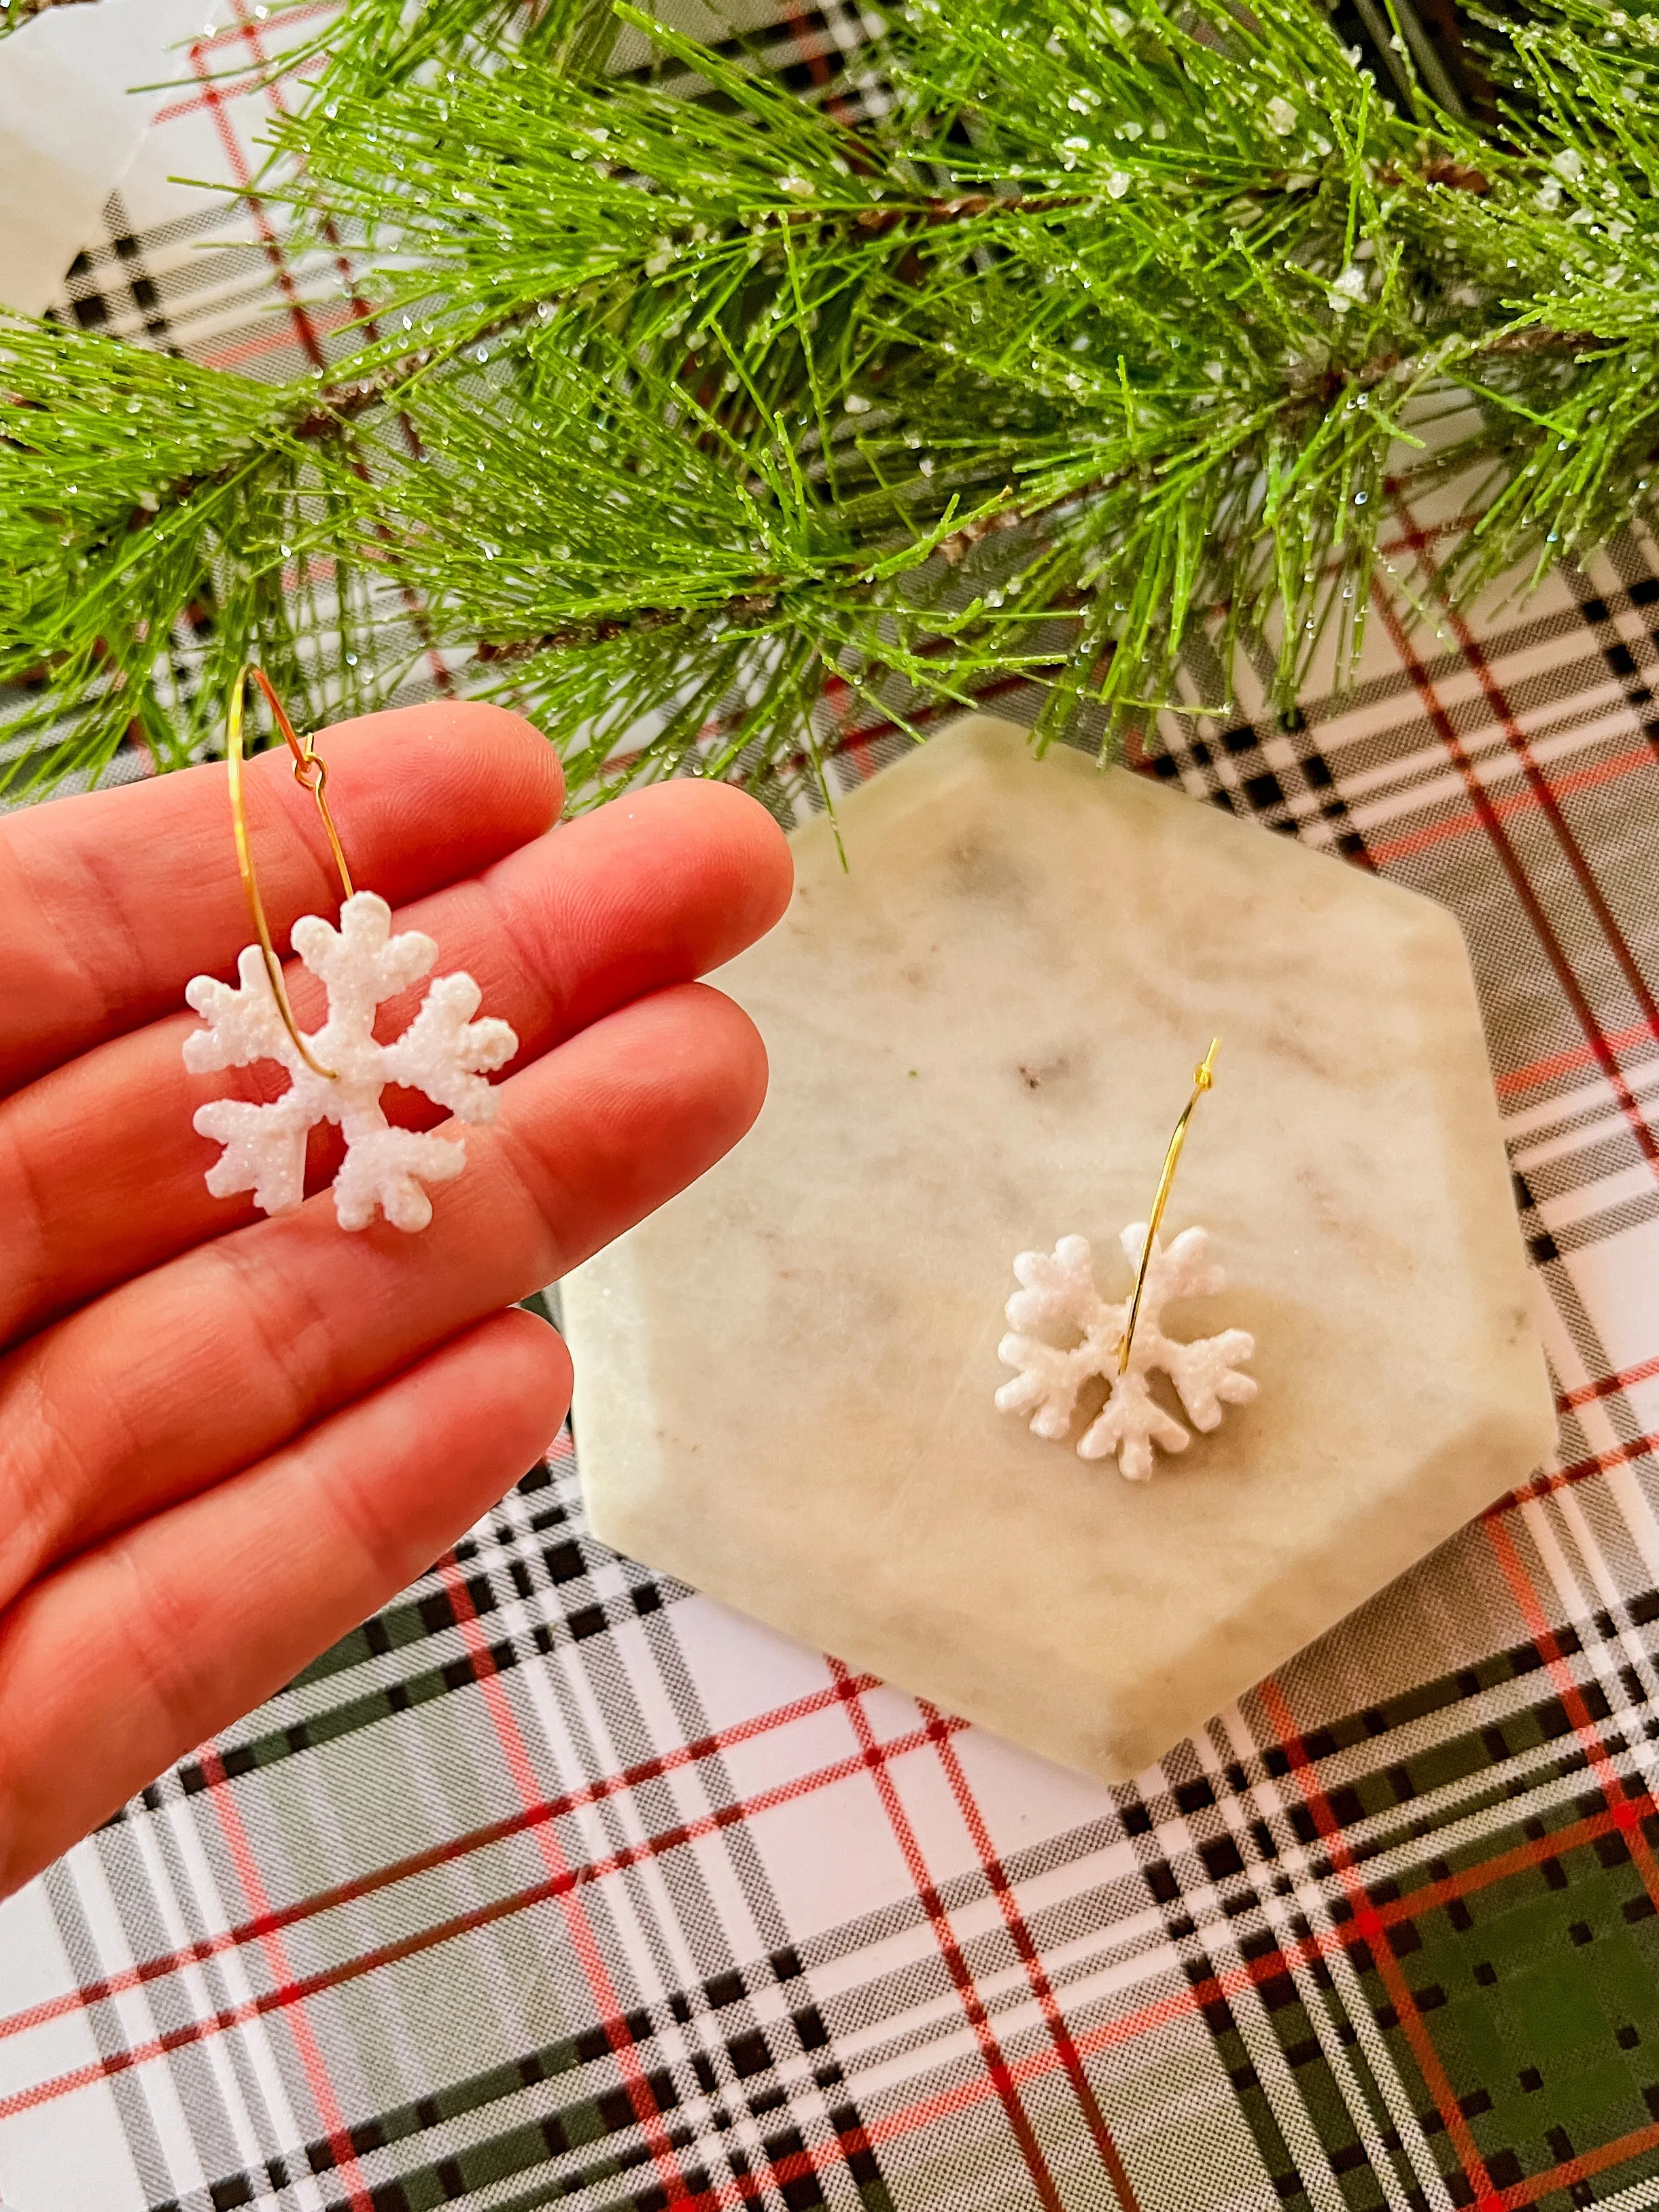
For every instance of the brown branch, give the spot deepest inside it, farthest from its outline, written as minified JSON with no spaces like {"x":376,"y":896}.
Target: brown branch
{"x":954,"y":548}
{"x":878,"y":221}
{"x":962,"y":542}
{"x":1440,"y":169}
{"x":746,"y":606}
{"x":336,"y":404}
{"x":1535,"y":339}
{"x":333,"y":408}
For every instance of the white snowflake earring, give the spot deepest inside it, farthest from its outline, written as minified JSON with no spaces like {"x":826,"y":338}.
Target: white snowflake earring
{"x":337,"y":1072}
{"x":1122,"y":1344}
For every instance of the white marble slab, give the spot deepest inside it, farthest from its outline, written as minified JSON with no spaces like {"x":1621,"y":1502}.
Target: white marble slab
{"x":980,"y":1037}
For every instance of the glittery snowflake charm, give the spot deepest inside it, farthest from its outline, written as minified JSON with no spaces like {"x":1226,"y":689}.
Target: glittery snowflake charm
{"x":443,"y":1053}
{"x":1064,"y":1333}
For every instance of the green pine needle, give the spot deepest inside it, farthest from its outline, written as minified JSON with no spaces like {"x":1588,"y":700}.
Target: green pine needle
{"x":1114,"y":326}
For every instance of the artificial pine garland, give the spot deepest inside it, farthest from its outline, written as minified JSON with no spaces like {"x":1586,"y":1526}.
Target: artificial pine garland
{"x":1067,"y":329}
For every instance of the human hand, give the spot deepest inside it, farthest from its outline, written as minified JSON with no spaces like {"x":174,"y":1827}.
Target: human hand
{"x":224,"y":1439}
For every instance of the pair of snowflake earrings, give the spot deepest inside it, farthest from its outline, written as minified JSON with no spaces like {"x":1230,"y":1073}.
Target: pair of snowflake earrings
{"x":1122,"y":1344}
{"x":337,"y":1072}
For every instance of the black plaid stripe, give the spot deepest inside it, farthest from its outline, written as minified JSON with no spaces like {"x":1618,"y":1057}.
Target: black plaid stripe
{"x":110,"y":287}
{"x":820,"y":53}
{"x":153,"y":284}
{"x":179,"y":683}
{"x":747,"y":2045}
{"x":531,"y":1551}
{"x":546,"y":2118}
{"x":1631,"y":1213}
{"x":1216,"y":1860}
{"x":1624,"y":621}
{"x":1275,"y":772}
{"x":1214,"y":1872}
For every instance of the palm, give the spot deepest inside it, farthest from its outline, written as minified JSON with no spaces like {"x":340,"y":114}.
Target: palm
{"x":225,"y":1438}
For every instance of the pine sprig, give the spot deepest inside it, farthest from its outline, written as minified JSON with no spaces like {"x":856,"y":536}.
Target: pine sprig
{"x":1102,"y":324}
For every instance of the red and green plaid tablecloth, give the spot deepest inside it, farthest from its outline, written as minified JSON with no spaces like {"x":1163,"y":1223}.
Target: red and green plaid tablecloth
{"x":556,"y":1882}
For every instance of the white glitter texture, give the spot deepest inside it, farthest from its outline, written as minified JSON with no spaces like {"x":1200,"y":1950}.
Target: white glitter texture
{"x":443,"y":1053}
{"x":1059,"y":1298}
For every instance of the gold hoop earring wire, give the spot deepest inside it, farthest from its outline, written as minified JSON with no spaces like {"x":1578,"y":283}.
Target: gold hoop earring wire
{"x":310,"y":770}
{"x":1203,"y":1077}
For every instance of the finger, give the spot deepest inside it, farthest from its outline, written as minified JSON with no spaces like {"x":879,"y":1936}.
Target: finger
{"x":137,"y":1651}
{"x":217,"y":1359}
{"x":111,"y":901}
{"x":101,"y":1173}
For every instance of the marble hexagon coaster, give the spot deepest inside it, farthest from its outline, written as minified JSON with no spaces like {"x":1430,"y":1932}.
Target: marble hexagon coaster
{"x":978,"y":1035}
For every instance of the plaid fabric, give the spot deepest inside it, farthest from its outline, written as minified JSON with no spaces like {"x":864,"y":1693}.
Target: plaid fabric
{"x":558,"y":1882}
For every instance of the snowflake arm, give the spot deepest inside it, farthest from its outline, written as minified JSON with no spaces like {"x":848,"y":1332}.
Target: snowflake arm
{"x":384,"y":1169}
{"x":1058,"y":1293}
{"x":1203,"y":1372}
{"x":1180,"y":1270}
{"x":243,"y":1025}
{"x":1057,"y":1289}
{"x":361,"y":963}
{"x":1046,"y":1387}
{"x":1129,"y":1424}
{"x":444,"y":1053}
{"x":265,"y":1148}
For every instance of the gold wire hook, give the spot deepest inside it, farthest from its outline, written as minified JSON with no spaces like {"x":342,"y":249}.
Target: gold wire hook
{"x":310,"y":770}
{"x":1203,"y":1077}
